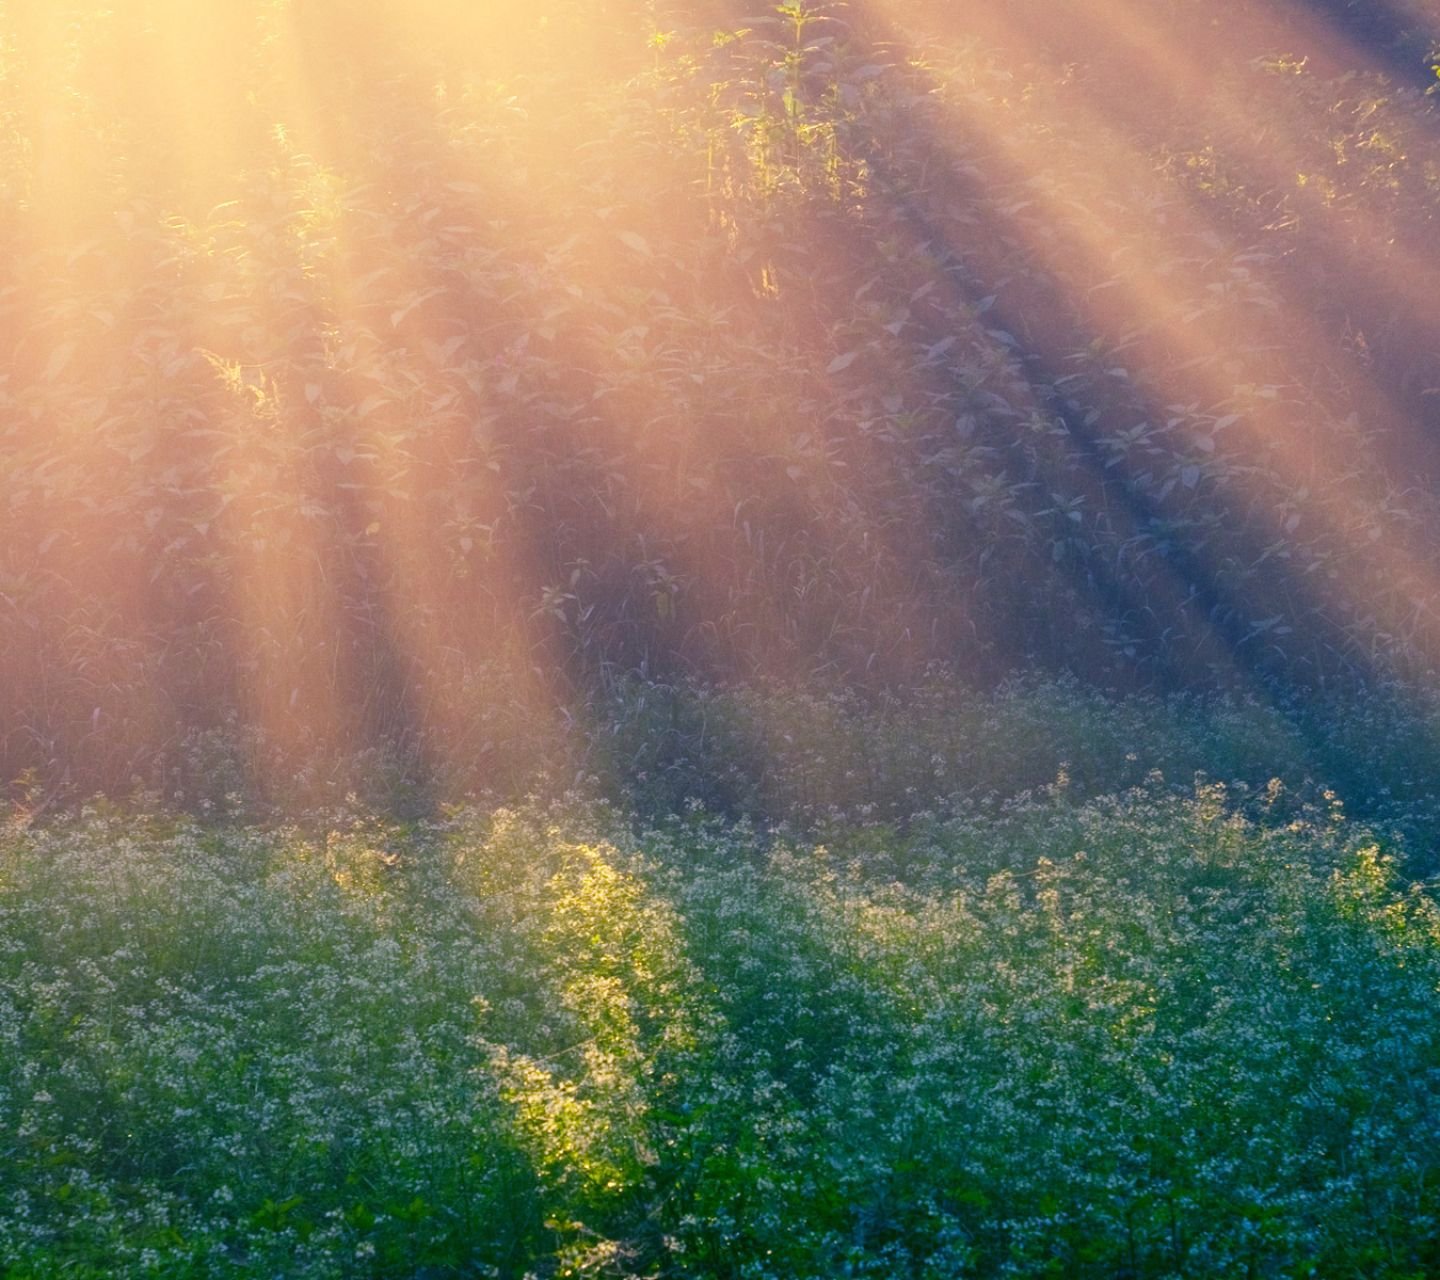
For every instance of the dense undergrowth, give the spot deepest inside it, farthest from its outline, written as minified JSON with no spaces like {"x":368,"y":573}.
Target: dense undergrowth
{"x":1142,"y":1035}
{"x":369,"y":371}
{"x":819,"y":761}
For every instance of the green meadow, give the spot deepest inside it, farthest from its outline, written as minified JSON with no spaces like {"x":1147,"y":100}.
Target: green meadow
{"x":1171,"y":1028}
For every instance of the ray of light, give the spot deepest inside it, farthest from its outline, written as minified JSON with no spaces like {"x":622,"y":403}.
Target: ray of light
{"x":1150,"y":238}
{"x":389,"y":415}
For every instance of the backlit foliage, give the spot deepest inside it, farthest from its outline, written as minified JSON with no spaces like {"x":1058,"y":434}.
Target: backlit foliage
{"x":391,"y":378}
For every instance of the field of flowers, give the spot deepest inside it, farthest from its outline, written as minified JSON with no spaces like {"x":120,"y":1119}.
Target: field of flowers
{"x":1158,"y":1033}
{"x":723,"y":646}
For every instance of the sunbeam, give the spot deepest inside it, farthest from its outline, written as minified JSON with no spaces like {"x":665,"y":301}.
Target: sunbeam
{"x":385,"y":379}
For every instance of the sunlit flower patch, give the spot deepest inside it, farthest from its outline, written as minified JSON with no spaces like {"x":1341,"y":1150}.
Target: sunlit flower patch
{"x":1144,"y":1035}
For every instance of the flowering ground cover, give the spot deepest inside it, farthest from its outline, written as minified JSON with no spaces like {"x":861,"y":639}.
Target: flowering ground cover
{"x":1150,"y":1034}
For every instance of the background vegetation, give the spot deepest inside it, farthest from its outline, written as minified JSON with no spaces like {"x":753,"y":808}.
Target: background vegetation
{"x":393,"y":384}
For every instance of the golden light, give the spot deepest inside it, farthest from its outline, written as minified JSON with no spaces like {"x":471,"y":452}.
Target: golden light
{"x":368,"y":365}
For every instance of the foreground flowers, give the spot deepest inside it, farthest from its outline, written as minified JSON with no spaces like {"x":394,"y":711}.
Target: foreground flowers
{"x":1143,"y":1035}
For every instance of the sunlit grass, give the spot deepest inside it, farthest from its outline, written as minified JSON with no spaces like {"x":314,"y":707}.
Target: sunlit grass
{"x":355,"y":354}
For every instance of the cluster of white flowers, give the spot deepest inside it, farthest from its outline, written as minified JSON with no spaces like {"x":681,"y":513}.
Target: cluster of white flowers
{"x":1143,"y":1035}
